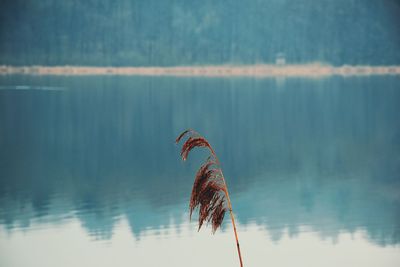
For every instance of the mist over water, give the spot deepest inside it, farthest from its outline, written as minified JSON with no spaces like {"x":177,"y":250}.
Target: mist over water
{"x":309,"y":163}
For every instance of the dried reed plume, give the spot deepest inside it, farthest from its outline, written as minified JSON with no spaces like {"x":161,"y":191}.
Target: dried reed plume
{"x":210,"y":193}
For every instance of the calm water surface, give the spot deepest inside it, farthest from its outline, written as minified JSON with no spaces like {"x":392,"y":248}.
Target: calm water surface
{"x":90,"y":174}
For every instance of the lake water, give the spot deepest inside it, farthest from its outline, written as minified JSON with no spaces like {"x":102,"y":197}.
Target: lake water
{"x":90,"y":174}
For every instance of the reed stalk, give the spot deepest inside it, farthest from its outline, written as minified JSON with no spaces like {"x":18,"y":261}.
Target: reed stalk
{"x":210,"y":191}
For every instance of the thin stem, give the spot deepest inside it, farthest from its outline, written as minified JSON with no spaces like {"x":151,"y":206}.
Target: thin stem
{"x":233,"y":220}
{"x":229,"y":206}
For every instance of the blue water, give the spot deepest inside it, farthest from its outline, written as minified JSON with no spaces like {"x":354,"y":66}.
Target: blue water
{"x":90,"y":174}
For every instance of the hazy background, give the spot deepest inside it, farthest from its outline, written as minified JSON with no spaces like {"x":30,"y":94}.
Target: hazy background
{"x":90,"y":174}
{"x":181,"y":32}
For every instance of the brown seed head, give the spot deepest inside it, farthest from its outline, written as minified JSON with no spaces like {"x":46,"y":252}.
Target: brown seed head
{"x":209,"y":189}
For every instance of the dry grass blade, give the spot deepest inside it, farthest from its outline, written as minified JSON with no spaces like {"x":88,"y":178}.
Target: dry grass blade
{"x":203,"y":176}
{"x":209,"y":192}
{"x":178,"y":139}
{"x":218,"y":215}
{"x":191,"y":143}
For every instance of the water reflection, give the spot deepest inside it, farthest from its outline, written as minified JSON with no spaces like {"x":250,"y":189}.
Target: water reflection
{"x":308,"y":155}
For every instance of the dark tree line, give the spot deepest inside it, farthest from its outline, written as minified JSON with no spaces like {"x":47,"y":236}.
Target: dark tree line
{"x":178,"y":32}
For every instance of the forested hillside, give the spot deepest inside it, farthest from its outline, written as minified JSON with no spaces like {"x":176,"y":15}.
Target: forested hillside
{"x":181,"y":32}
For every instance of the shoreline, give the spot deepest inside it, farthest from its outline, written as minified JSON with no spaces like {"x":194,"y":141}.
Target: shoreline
{"x":262,"y":70}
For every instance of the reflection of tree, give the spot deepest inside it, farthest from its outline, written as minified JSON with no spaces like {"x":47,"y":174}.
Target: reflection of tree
{"x":313,"y":154}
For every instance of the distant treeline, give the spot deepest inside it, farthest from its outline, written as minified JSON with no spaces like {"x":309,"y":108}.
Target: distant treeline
{"x":181,"y":32}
